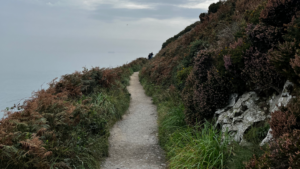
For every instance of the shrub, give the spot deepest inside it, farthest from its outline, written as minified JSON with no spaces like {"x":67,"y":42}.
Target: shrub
{"x":181,"y":77}
{"x":284,"y":149}
{"x":259,"y":74}
{"x":195,"y":47}
{"x":253,"y":16}
{"x":231,"y":60}
{"x":257,"y":132}
{"x":227,"y":35}
{"x":240,"y":155}
{"x":205,"y":90}
{"x":282,"y":122}
{"x":264,"y":37}
{"x":293,"y":30}
{"x":279,"y":12}
{"x":281,"y":57}
{"x":283,"y":153}
{"x":213,"y":8}
{"x":203,"y":17}
{"x":187,"y":29}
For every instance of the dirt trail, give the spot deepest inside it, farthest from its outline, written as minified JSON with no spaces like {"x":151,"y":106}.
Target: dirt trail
{"x":133,"y":140}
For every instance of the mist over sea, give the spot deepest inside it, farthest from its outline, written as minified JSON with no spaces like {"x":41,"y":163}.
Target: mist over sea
{"x":20,"y":77}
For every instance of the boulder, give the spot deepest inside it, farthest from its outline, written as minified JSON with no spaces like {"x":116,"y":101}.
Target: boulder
{"x":242,"y":115}
{"x":277,"y":101}
{"x":249,"y":109}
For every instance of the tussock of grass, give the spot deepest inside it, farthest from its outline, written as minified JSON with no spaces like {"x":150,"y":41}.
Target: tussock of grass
{"x":200,"y":147}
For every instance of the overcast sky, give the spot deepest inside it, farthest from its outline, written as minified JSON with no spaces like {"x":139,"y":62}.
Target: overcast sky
{"x":47,"y":34}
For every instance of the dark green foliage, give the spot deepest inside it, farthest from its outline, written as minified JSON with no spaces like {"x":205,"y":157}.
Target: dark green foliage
{"x":293,"y":31}
{"x":205,"y":91}
{"x":253,"y":16}
{"x":240,"y":155}
{"x":264,"y":37}
{"x":259,"y":74}
{"x":203,"y":16}
{"x":181,"y":77}
{"x":235,"y":53}
{"x":187,"y":29}
{"x":213,"y":8}
{"x":257,"y":132}
{"x":195,"y":47}
{"x":279,"y":12}
{"x":280,"y":58}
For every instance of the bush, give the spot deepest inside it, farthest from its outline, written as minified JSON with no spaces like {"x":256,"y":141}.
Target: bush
{"x":253,"y":16}
{"x":195,"y":47}
{"x":203,"y":17}
{"x":264,"y":37}
{"x":293,"y":30}
{"x":257,"y":133}
{"x":205,"y":90}
{"x":284,"y":150}
{"x":279,"y":12}
{"x":187,"y":29}
{"x":181,"y":77}
{"x":283,"y":153}
{"x":213,"y":8}
{"x":259,"y":74}
{"x":281,"y":59}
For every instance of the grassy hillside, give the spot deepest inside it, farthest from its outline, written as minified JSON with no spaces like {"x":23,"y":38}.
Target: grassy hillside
{"x":66,"y":126}
{"x":239,"y":46}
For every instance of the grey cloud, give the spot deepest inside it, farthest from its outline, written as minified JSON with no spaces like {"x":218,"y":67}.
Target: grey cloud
{"x":109,"y":13}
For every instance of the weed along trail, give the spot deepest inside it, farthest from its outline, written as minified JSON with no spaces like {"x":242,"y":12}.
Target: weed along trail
{"x":133,"y":140}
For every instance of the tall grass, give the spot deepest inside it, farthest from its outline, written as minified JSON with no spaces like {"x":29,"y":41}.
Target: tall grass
{"x":198,"y":147}
{"x":186,"y":147}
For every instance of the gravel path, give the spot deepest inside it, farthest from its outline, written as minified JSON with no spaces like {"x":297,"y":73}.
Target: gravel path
{"x":133,"y":140}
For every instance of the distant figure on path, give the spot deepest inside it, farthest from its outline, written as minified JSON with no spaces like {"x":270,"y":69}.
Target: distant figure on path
{"x":150,"y":56}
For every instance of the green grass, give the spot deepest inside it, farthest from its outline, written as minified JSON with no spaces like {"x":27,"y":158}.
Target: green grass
{"x":186,"y":147}
{"x":204,"y":146}
{"x":198,"y":147}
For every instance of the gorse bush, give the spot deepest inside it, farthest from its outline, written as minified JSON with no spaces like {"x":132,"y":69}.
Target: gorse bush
{"x":66,"y":125}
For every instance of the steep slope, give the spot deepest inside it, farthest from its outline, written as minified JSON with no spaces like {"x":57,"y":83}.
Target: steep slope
{"x":240,"y":46}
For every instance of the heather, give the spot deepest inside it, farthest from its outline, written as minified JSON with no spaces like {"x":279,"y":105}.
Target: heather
{"x":239,"y":46}
{"x":67,"y":125}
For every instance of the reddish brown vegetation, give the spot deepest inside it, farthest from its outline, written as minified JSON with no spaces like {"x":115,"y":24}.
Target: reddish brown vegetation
{"x":43,"y":132}
{"x":259,"y":73}
{"x":279,"y":12}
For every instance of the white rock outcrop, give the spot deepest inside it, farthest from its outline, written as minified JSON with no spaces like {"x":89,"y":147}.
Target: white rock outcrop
{"x":276,"y":101}
{"x":249,"y":109}
{"x":243,"y":114}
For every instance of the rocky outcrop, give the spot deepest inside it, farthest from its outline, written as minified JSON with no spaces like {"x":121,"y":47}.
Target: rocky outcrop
{"x":249,"y":109}
{"x":243,"y":114}
{"x":276,"y":101}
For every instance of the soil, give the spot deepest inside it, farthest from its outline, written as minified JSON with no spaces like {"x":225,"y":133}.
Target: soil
{"x":133,"y":140}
